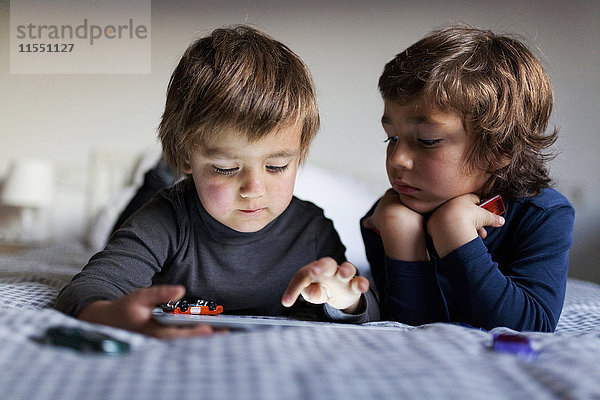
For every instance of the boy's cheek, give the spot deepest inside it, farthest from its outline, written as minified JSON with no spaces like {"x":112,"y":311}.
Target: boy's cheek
{"x":287,"y":187}
{"x":285,"y":191}
{"x":216,"y":197}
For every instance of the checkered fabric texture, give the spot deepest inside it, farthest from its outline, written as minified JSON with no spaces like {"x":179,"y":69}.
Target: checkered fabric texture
{"x":437,"y":361}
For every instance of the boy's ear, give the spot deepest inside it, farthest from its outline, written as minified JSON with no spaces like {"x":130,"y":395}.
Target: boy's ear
{"x":187,"y":167}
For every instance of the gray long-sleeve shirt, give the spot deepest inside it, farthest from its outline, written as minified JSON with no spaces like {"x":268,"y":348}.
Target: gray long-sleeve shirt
{"x":172,"y":239}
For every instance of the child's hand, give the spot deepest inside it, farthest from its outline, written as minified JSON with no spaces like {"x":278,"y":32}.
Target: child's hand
{"x":402,"y":230}
{"x":458,"y":221}
{"x":134,"y":312}
{"x":323,"y":281}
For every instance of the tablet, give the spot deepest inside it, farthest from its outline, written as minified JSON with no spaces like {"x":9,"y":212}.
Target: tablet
{"x":247,"y":322}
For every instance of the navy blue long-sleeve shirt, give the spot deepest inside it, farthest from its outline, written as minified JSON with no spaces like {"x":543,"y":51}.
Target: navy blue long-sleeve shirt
{"x":515,"y":277}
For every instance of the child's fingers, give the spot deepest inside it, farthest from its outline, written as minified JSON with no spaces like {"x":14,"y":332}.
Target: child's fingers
{"x":390,"y":196}
{"x":367,"y":223}
{"x":299,"y":281}
{"x":315,"y":293}
{"x":321,"y":269}
{"x":158,"y":294}
{"x":180,"y":332}
{"x":309,"y":280}
{"x":359,"y":284}
{"x":490,"y":219}
{"x":325,"y":267}
{"x":482,"y":233}
{"x":473,"y":197}
{"x":346,"y":271}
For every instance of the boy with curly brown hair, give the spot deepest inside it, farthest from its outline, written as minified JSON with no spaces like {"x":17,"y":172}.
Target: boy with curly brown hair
{"x":465,"y":114}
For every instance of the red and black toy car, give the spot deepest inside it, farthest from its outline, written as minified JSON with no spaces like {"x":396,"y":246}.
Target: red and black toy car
{"x":195,"y":307}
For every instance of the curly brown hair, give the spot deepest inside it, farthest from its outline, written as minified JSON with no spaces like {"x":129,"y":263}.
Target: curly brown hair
{"x":498,"y":87}
{"x":236,"y":80}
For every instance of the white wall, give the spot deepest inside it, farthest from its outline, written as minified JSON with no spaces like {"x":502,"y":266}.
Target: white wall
{"x":345,"y":44}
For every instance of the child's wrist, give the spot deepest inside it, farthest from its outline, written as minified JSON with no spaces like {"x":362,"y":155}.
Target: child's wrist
{"x":451,"y":228}
{"x":95,"y":312}
{"x":448,"y":236}
{"x":405,"y":242}
{"x":357,"y":308}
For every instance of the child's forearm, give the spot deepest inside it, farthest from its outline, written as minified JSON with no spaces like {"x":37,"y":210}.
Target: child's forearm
{"x":412,"y":293}
{"x":405,"y":243}
{"x":449,"y":237}
{"x":488,"y":298}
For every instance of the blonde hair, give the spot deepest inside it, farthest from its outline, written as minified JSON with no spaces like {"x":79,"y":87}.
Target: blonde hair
{"x":236,"y":80}
{"x":497,"y":86}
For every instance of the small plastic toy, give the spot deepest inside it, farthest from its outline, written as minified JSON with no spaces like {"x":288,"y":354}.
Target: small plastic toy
{"x":516,"y":344}
{"x":193,"y":307}
{"x":84,"y":340}
{"x":493,"y":204}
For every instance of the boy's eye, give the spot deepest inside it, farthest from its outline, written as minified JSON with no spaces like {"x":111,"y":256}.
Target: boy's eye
{"x":274,"y":168}
{"x":225,"y":171}
{"x":391,"y":139}
{"x":429,"y":142}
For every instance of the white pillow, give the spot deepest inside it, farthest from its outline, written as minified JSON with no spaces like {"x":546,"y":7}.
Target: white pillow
{"x":105,"y":219}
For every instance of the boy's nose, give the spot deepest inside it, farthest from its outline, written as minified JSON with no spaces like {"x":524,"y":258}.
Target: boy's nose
{"x":253,"y":185}
{"x":400,"y":157}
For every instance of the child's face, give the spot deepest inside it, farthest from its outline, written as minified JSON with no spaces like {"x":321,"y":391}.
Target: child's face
{"x":426,"y":165}
{"x":245,"y":185}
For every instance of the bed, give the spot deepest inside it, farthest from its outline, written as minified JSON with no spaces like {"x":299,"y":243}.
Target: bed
{"x":380,"y":360}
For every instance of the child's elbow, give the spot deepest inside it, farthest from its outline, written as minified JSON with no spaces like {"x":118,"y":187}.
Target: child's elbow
{"x":539,"y":320}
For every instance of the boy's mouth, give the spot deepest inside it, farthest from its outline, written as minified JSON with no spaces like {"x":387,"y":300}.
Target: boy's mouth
{"x":252,"y":211}
{"x":403,"y":188}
